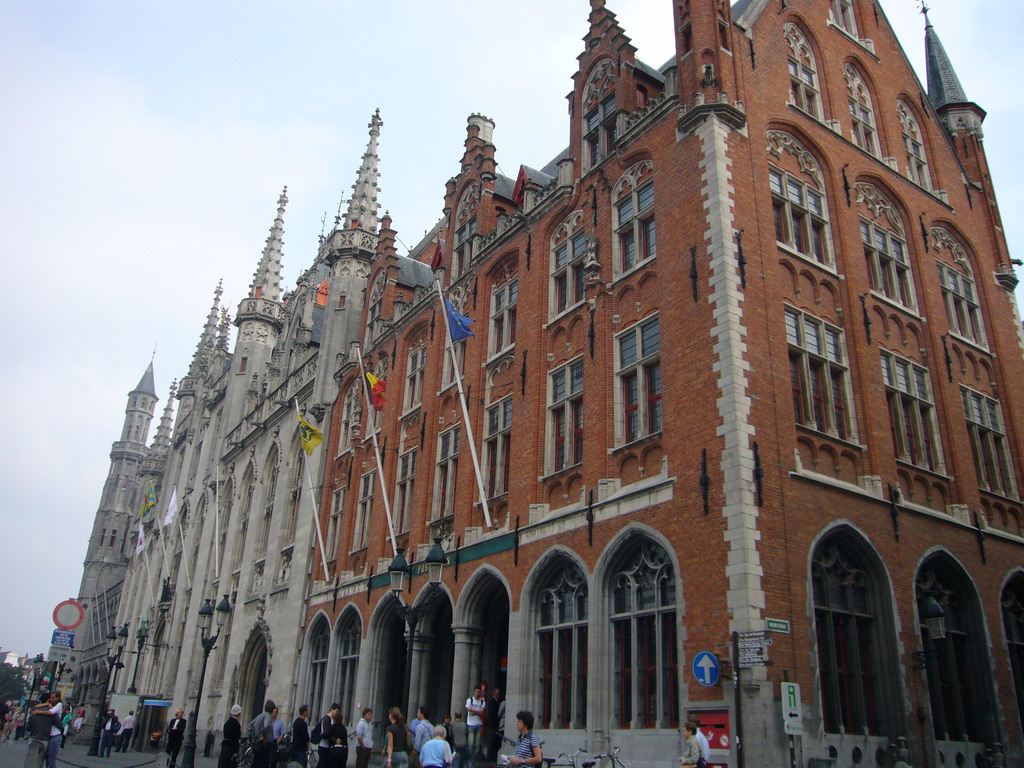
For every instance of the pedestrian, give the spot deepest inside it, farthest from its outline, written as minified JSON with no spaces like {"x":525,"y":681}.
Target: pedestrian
{"x":300,"y":737}
{"x":38,"y":736}
{"x":323,"y":746}
{"x":460,"y":741}
{"x":527,"y":745}
{"x":436,"y":753}
{"x":702,"y":740}
{"x":19,"y":722}
{"x":127,"y":729}
{"x":422,"y":732}
{"x":278,"y":738}
{"x":175,"y":735}
{"x":691,"y":747}
{"x":261,"y":736}
{"x":495,"y":723}
{"x":476,"y":708}
{"x":397,"y":750}
{"x":110,"y":728}
{"x":232,"y":740}
{"x":65,"y":726}
{"x":337,"y":737}
{"x":364,"y":738}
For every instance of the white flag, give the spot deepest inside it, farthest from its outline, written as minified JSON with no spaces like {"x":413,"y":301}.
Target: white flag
{"x":172,"y":507}
{"x":140,"y":544}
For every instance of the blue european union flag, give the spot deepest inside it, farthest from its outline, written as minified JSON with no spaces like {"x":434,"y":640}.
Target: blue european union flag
{"x":458,"y":322}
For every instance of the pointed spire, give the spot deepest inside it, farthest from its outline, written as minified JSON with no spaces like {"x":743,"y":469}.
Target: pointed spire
{"x":162,"y":439}
{"x":223,"y":331}
{"x":146,"y":384}
{"x":198,"y":365}
{"x":363,"y":206}
{"x":943,"y":84}
{"x":266,"y":282}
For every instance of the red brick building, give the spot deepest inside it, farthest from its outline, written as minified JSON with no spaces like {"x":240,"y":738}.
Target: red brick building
{"x":743,"y":360}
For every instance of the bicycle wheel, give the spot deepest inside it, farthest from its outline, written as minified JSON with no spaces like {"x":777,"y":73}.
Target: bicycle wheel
{"x":245,"y":758}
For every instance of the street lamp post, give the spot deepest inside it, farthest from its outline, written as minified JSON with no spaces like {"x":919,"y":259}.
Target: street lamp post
{"x":140,"y":639}
{"x":411,"y":615}
{"x":116,"y":640}
{"x":188,"y":755}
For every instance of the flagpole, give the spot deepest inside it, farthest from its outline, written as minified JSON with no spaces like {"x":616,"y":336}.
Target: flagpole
{"x":149,"y":571}
{"x":376,"y":453}
{"x":216,"y":517}
{"x":462,"y":400}
{"x":316,"y":505}
{"x":173,"y":501}
{"x":163,"y":543}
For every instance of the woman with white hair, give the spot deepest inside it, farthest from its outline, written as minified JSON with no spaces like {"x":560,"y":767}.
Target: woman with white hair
{"x":436,"y":752}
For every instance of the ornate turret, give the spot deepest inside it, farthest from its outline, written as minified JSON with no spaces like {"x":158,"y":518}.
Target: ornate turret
{"x":153,"y":464}
{"x":200,"y":360}
{"x":363,"y":205}
{"x":266,"y":282}
{"x":947,"y":95}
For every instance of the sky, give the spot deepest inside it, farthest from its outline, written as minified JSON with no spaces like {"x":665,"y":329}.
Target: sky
{"x":143,"y":146}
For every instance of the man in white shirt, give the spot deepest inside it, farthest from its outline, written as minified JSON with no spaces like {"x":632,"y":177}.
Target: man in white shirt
{"x":127,"y":729}
{"x":476,"y":705}
{"x":364,"y":739}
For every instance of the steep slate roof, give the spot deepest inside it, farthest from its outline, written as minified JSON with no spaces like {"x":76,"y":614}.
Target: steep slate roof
{"x":503,"y":186}
{"x":413,"y":273}
{"x":943,"y":84}
{"x":146,"y":384}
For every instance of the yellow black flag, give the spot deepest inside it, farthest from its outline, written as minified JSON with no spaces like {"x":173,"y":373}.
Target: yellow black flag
{"x":311,"y":436}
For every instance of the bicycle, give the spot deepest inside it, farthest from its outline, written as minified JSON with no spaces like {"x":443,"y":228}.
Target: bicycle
{"x":613,"y":756}
{"x":553,"y":761}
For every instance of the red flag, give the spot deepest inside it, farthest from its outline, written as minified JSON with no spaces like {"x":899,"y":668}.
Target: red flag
{"x":377,"y":387}
{"x":438,"y":261}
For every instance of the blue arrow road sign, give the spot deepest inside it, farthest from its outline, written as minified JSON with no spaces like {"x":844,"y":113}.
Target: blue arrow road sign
{"x":706,"y":668}
{"x":64,"y":637}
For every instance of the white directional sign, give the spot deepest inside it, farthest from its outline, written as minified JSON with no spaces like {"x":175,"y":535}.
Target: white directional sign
{"x":59,"y":653}
{"x":753,"y":649}
{"x":792,"y":709}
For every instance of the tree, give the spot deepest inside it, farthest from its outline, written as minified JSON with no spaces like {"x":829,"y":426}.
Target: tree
{"x":12,"y":684}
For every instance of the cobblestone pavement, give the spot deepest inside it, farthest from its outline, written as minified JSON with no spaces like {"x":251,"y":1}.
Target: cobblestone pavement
{"x":12,"y":755}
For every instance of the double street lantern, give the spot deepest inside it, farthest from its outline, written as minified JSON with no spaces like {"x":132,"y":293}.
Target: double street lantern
{"x":411,"y":615}
{"x":116,"y":640}
{"x":206,"y":615}
{"x":934,"y":619}
{"x":141,"y":635}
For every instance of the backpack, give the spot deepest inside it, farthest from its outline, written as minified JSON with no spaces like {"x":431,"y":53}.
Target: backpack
{"x":261,"y":729}
{"x":318,"y":731}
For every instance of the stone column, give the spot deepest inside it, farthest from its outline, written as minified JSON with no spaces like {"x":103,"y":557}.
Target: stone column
{"x":467,"y":639}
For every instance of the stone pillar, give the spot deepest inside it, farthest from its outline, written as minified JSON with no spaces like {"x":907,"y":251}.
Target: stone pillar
{"x":466,"y":639}
{"x":418,"y":679}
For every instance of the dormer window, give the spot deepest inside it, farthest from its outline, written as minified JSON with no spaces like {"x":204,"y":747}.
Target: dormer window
{"x":463,"y":247}
{"x":842,"y":15}
{"x":600,"y":128}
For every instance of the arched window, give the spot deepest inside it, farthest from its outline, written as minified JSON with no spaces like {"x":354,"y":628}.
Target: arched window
{"x":562,"y":639}
{"x":643,"y":624}
{"x":853,"y":645}
{"x":862,"y":114}
{"x":349,"y":417}
{"x":885,"y":247}
{"x":1013,"y":625}
{"x":349,"y":636}
{"x":599,"y":115}
{"x":268,"y":503}
{"x":803,"y":72}
{"x":294,"y":494}
{"x":633,"y":217}
{"x":957,"y":665}
{"x":319,"y":643}
{"x":223,"y":522}
{"x":959,"y":293}
{"x":913,"y":145}
{"x":568,"y":252}
{"x":504,"y":310}
{"x":416,"y":361}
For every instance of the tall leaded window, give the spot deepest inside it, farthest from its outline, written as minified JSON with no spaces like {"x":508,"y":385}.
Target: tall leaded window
{"x":1013,"y":624}
{"x":915,"y":433}
{"x":319,"y":645}
{"x":404,"y":490}
{"x":463,"y":251}
{"x":803,"y":73}
{"x":568,"y":252}
{"x":565,"y":414}
{"x":498,"y":446}
{"x":888,"y":265}
{"x":842,"y":16}
{"x":248,"y":489}
{"x":988,"y":442}
{"x":957,"y":666}
{"x":268,"y":504}
{"x":913,"y":146}
{"x":639,"y":376}
{"x":349,"y":636}
{"x":360,"y":537}
{"x":962,"y":308}
{"x":294,"y":497}
{"x":414,"y":376}
{"x":447,"y":472}
{"x":643,"y":624}
{"x":448,"y":374}
{"x":334,"y":526}
{"x":862,"y":114}
{"x":819,"y":374}
{"x":349,"y":415}
{"x":599,"y":115}
{"x":562,"y":640}
{"x":633,"y":213}
{"x":846,"y":625}
{"x":800,"y":216}
{"x":503,"y":315}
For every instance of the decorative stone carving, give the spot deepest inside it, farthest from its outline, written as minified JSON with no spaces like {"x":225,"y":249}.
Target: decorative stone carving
{"x":568,"y":225}
{"x":599,"y":84}
{"x":876,"y":202}
{"x":780,"y":141}
{"x":941,"y":238}
{"x":467,"y":204}
{"x":631,"y":177}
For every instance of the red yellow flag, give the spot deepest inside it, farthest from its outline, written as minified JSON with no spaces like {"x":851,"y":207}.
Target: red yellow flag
{"x":377,"y":388}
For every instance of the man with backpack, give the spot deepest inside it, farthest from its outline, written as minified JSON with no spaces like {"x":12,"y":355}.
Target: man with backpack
{"x":319,"y":735}
{"x":261,"y":736}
